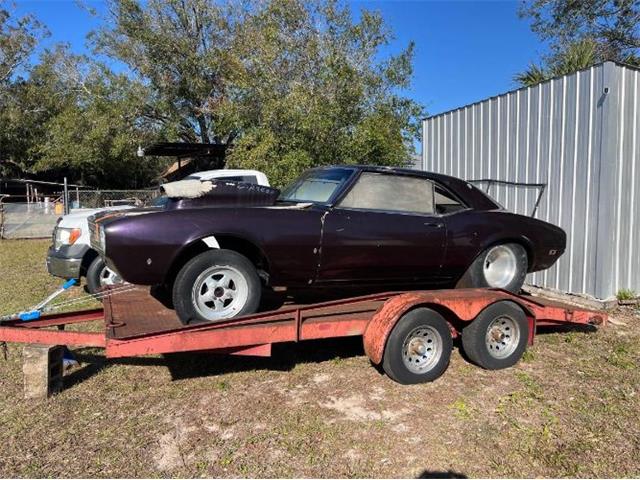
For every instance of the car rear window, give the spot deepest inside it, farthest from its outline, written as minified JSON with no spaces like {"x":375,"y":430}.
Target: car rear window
{"x":446,"y":202}
{"x":394,"y":193}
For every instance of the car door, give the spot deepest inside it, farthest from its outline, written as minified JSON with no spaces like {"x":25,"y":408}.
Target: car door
{"x":384,"y":230}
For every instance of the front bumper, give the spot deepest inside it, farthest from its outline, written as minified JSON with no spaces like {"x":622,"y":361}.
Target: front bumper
{"x":67,"y":261}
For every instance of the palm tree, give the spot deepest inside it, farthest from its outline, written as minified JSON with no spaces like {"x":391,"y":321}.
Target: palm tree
{"x":577,"y":56}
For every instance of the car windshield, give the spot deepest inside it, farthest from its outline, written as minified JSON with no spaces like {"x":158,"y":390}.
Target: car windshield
{"x":317,"y":186}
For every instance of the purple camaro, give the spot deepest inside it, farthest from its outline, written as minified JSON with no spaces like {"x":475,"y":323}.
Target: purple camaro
{"x":214,"y":245}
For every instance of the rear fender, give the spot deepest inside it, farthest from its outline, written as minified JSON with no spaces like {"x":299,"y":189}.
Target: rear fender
{"x":458,"y":307}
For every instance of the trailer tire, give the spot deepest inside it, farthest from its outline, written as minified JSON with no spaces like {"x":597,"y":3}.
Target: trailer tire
{"x":497,"y":337}
{"x":216,"y":285}
{"x":418,"y":348}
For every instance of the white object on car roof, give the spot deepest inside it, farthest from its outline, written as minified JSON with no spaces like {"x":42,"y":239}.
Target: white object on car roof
{"x":187,"y":188}
{"x":248,"y":176}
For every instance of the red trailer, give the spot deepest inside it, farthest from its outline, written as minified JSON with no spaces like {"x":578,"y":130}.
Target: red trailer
{"x":409,"y":333}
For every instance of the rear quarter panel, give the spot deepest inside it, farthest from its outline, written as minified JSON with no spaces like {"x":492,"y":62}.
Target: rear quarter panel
{"x":470,"y":232}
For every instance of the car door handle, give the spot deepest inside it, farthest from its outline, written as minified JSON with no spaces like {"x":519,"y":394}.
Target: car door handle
{"x":434,"y":224}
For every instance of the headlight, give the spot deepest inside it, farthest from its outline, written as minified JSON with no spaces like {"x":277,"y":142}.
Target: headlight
{"x":103,"y":240}
{"x":66,"y":236}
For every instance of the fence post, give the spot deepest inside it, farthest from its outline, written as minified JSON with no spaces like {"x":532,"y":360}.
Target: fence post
{"x":65,"y":198}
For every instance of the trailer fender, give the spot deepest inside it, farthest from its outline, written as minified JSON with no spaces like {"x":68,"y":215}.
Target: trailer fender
{"x":457,"y":307}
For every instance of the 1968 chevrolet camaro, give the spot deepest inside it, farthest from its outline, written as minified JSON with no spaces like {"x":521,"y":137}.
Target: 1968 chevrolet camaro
{"x":216,"y":245}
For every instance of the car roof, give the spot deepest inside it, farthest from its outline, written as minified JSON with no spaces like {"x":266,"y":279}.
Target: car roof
{"x":465,"y":190}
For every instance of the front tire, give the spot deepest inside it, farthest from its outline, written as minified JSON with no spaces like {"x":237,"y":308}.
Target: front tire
{"x":99,"y":276}
{"x":216,"y":285}
{"x":500,"y":266}
{"x":419,"y":347}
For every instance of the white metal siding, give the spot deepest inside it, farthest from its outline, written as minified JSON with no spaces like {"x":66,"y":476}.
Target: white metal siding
{"x":583,"y":143}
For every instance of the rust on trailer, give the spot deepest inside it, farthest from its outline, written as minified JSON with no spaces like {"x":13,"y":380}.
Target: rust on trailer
{"x":140,"y":325}
{"x":58,"y":319}
{"x":52,"y":337}
{"x":34,"y":331}
{"x":464,"y":305}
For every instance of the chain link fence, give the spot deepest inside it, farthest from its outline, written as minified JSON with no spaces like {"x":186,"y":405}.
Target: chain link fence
{"x":37,"y":219}
{"x":110,"y":198}
{"x":28,"y":220}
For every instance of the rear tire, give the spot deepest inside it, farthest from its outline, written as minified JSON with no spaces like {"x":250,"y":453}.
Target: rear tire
{"x":216,"y":285}
{"x":419,"y":347}
{"x":500,"y":266}
{"x":497,"y":337}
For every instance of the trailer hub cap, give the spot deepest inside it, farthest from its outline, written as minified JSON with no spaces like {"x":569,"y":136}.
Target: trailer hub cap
{"x":421,"y":349}
{"x":220,"y":292}
{"x":502,"y":337}
{"x":500,"y":266}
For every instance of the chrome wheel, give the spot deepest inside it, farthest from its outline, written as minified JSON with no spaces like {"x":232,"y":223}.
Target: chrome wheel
{"x":220,"y":292}
{"x":421,"y":349}
{"x":108,"y":277}
{"x":502,"y":337}
{"x":500,"y":266}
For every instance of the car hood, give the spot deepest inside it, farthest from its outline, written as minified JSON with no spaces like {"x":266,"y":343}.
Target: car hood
{"x":220,"y":194}
{"x":80,"y":213}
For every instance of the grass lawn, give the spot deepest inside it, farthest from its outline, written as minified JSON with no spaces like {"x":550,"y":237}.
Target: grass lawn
{"x":570,"y":408}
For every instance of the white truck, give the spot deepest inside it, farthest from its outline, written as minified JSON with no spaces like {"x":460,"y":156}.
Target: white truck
{"x":71,"y":255}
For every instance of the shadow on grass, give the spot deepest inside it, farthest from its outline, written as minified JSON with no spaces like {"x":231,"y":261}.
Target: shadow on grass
{"x":441,"y":474}
{"x":284,"y":357}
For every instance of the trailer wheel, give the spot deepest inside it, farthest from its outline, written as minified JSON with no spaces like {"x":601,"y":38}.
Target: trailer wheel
{"x":216,"y":285}
{"x":418,"y":348}
{"x":497,"y":337}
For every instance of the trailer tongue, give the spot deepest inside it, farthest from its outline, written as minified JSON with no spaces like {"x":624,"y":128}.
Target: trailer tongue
{"x":409,"y":333}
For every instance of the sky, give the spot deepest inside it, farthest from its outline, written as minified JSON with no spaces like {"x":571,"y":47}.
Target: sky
{"x":465,"y":50}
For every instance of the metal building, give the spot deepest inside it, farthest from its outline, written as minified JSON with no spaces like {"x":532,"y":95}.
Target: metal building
{"x":579,"y":135}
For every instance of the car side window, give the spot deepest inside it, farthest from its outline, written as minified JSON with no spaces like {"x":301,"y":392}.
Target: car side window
{"x":446,"y":202}
{"x":394,"y":193}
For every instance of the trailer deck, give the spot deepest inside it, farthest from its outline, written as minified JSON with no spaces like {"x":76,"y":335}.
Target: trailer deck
{"x":136,"y":323}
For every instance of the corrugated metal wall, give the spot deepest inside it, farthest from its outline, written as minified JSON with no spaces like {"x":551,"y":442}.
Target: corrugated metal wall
{"x":579,"y":135}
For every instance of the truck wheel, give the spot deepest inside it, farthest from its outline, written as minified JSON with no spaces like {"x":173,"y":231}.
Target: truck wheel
{"x":419,"y":347}
{"x":497,"y":337}
{"x":98,"y":276}
{"x":216,"y":285}
{"x":501,"y":266}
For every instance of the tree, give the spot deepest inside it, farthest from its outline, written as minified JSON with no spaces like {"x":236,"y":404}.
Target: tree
{"x":312,"y":91}
{"x":96,"y":133}
{"x":18,"y":39}
{"x":180,"y":49}
{"x":582,"y":33}
{"x":73,"y":117}
{"x":288,"y":83}
{"x":577,"y":56}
